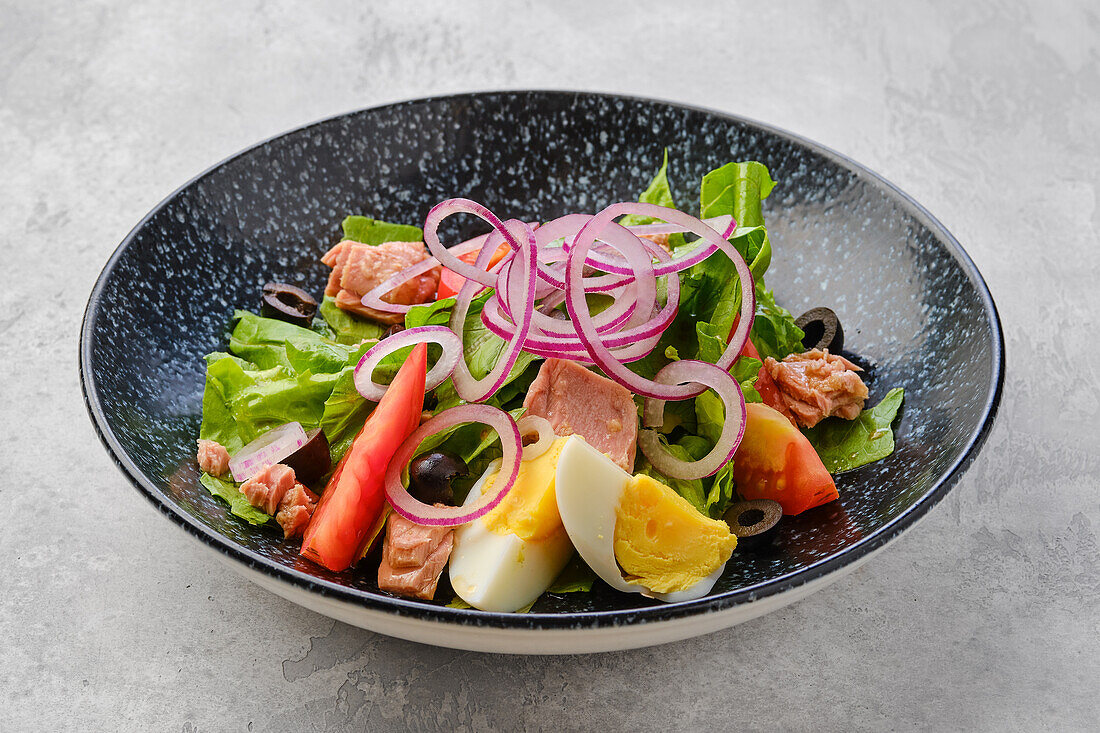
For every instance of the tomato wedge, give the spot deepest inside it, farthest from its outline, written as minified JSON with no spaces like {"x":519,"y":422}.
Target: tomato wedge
{"x":354,"y":498}
{"x":450,"y":282}
{"x":765,"y":385}
{"x":775,"y":461}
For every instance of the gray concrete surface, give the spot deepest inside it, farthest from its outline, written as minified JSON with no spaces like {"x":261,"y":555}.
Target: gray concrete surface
{"x":986,"y":616}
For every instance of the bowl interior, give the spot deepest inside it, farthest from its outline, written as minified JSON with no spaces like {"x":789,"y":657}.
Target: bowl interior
{"x":914,"y":308}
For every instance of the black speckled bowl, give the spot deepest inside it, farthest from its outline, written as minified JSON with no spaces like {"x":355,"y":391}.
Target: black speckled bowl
{"x":913,"y":304}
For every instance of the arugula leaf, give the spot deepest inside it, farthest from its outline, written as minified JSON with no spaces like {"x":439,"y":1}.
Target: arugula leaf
{"x":372,"y":231}
{"x":847,"y":444}
{"x":349,"y":329}
{"x":238,"y":504}
{"x":774,"y":332}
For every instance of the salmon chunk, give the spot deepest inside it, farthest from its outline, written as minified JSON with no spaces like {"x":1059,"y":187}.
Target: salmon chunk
{"x":213,"y":457}
{"x":413,"y":557}
{"x":577,"y":401}
{"x":359,"y":268}
{"x":816,"y":385}
{"x":295,"y":510}
{"x":268,"y":487}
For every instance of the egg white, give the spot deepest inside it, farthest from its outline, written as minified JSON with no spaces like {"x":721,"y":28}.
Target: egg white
{"x":502,"y":572}
{"x":589,"y":488}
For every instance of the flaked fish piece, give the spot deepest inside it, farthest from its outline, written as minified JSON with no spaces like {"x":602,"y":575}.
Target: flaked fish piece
{"x":413,"y":557}
{"x":358,"y":268}
{"x":816,"y":385}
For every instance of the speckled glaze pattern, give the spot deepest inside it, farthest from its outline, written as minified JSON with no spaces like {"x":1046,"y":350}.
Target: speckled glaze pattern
{"x":915,"y":309}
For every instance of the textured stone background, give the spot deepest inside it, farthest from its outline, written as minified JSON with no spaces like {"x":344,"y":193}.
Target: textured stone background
{"x":984,"y":616}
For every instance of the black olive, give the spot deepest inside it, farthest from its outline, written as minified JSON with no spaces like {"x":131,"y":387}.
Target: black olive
{"x":395,"y":328}
{"x":288,"y":303}
{"x":754,"y":522}
{"x":430,"y":476}
{"x":822,"y":329}
{"x":312,"y":460}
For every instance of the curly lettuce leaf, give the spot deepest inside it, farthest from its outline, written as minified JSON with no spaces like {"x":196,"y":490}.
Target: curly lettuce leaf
{"x":238,"y":504}
{"x":847,"y":444}
{"x":372,"y":231}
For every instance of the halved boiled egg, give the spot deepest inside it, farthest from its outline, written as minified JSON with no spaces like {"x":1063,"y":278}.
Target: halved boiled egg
{"x":504,"y":560}
{"x":637,"y":534}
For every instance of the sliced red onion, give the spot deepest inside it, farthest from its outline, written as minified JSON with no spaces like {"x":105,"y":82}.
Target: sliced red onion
{"x":476,"y":390}
{"x":718,"y":379}
{"x":373,"y":299}
{"x":540,"y":426}
{"x":452,"y":516}
{"x":267,"y":450}
{"x":476,"y":272}
{"x":445,"y":337}
{"x":578,"y":309}
{"x":617,"y":265}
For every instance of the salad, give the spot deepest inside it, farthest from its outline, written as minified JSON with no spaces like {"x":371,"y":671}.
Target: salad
{"x":610,"y":397}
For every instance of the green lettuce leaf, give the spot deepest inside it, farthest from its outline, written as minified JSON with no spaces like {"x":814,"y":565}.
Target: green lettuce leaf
{"x":344,"y":412}
{"x":659,"y":193}
{"x":736,"y":189}
{"x":242,"y":402}
{"x":575,"y":577}
{"x":774,"y":332}
{"x":238,"y":504}
{"x":688,"y":448}
{"x":436,"y":313}
{"x":372,"y":231}
{"x":349,"y":328}
{"x":847,"y":444}
{"x":723,"y":492}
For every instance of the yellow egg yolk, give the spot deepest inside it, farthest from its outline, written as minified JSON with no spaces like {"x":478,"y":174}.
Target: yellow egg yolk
{"x":663,"y":542}
{"x":530,"y":508}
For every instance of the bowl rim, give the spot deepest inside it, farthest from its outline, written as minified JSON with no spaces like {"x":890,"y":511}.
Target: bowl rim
{"x":583,"y":619}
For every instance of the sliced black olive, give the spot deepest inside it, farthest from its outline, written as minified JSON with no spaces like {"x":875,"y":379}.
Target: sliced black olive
{"x":754,"y":522}
{"x":430,"y":476}
{"x":822,"y":329}
{"x":288,"y":303}
{"x":312,"y":460}
{"x":395,"y":328}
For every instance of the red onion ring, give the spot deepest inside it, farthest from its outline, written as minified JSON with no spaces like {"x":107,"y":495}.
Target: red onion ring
{"x":578,"y":309}
{"x":445,"y":337}
{"x":718,"y":379}
{"x":373,"y":298}
{"x":416,"y":511}
{"x":540,"y":426}
{"x":476,"y":390}
{"x":681,"y":263}
{"x":267,"y":450}
{"x":446,"y":257}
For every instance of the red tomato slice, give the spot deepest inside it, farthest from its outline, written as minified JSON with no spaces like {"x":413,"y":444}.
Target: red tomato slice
{"x":450,"y":282}
{"x":775,"y":461}
{"x":354,"y":498}
{"x":765,"y":385}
